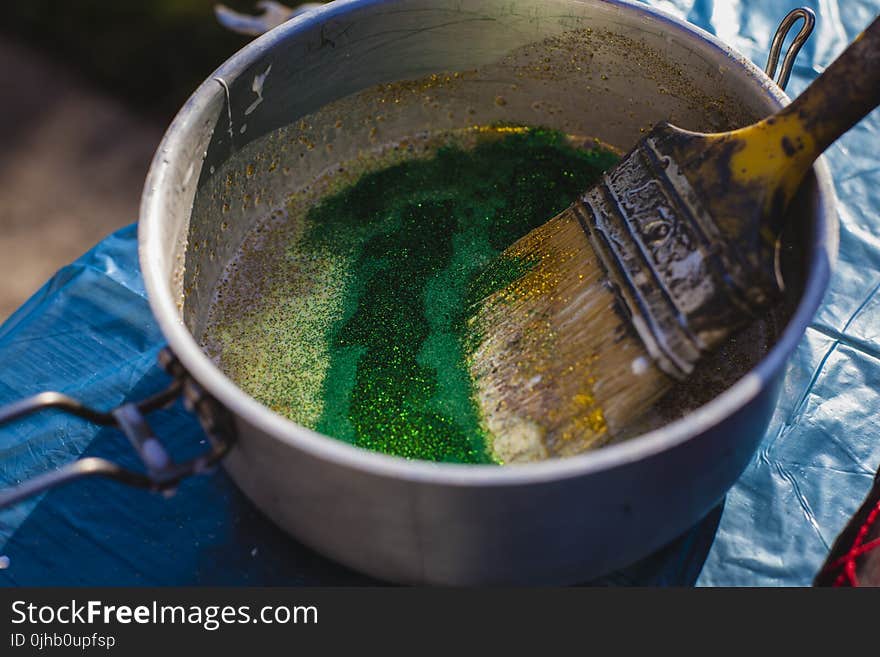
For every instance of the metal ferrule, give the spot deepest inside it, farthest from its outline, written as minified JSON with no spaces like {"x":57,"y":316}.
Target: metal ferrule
{"x":684,"y":287}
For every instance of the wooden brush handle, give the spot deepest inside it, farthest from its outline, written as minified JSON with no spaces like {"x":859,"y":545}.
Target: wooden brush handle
{"x":844,"y":94}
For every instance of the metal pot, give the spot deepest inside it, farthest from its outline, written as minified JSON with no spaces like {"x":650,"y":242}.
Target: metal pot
{"x":265,"y":111}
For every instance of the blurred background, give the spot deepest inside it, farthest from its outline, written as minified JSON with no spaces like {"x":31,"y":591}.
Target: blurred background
{"x":88,"y":88}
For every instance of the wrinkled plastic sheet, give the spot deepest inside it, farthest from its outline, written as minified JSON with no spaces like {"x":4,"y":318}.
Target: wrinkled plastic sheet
{"x":89,"y":332}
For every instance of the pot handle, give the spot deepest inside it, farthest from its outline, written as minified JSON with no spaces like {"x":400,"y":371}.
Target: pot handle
{"x":809,"y":22}
{"x":161,"y":472}
{"x":272,"y":14}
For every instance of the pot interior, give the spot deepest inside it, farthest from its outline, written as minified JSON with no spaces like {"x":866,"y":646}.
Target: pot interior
{"x":358,"y":79}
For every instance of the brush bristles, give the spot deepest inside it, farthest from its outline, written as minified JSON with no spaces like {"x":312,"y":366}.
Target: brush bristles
{"x":556,"y":367}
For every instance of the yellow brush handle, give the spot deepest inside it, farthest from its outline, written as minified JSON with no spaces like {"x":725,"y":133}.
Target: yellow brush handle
{"x":779,"y":150}
{"x":745,"y":179}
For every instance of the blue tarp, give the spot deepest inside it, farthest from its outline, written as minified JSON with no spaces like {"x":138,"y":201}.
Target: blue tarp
{"x":89,"y":332}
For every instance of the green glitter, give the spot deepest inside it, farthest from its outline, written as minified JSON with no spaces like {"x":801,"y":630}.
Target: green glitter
{"x":416,"y":236}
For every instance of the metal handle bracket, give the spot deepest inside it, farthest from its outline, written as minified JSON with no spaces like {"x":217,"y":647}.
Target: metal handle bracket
{"x":809,"y":19}
{"x":161,"y":473}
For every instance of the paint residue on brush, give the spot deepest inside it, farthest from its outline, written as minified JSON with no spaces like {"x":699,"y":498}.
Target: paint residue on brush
{"x":535,"y":385}
{"x":385,"y":270}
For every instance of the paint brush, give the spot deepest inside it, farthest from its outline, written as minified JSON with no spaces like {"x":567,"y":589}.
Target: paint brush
{"x":619,"y":296}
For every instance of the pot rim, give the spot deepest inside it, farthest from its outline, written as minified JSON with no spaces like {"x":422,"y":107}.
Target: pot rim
{"x":202,"y":368}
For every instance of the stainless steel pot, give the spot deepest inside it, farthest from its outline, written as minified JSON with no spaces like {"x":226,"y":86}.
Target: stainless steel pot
{"x":261,"y":126}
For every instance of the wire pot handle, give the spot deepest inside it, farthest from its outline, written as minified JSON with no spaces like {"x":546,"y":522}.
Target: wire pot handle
{"x":161,"y":473}
{"x":272,"y":14}
{"x":809,"y":22}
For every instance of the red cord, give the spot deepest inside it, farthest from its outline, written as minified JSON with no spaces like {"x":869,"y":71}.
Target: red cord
{"x":848,"y":560}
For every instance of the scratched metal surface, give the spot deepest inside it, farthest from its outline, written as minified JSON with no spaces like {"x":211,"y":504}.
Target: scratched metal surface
{"x":89,"y":332}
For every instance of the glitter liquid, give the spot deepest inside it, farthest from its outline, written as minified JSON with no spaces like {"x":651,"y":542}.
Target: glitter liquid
{"x":380,"y":278}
